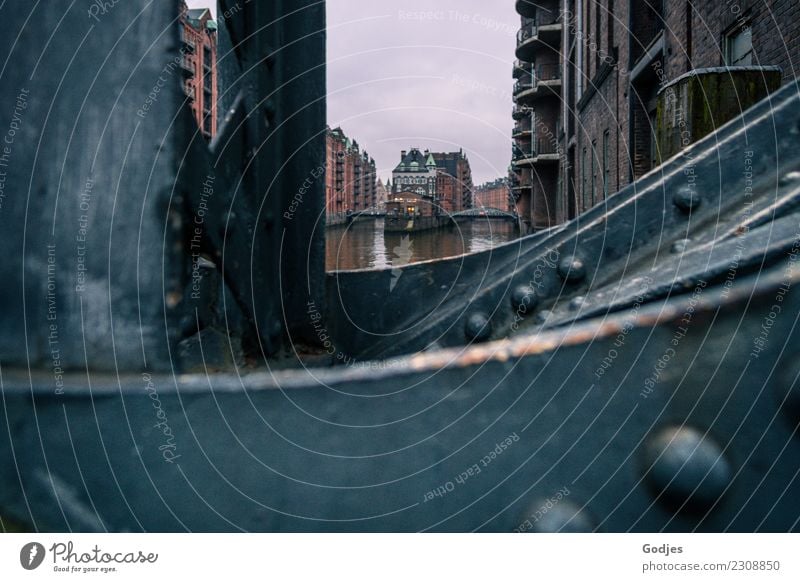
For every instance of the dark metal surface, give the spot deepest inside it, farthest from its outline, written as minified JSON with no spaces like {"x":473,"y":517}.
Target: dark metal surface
{"x":704,"y":195}
{"x":642,"y":375}
{"x":112,"y":194}
{"x":396,"y":448}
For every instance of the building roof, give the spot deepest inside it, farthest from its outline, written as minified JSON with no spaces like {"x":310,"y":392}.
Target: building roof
{"x":497,"y":183}
{"x":412,"y":161}
{"x":200,"y":18}
{"x":449,"y":161}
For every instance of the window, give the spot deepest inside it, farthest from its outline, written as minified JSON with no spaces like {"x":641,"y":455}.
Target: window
{"x":579,"y":49}
{"x":597,"y":37}
{"x":610,"y":16}
{"x":689,"y":17}
{"x":584,"y":181}
{"x":739,"y":47}
{"x":606,"y":166}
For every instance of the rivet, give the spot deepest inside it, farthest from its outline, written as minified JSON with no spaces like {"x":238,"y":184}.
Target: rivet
{"x":478,"y":327}
{"x":679,"y":246}
{"x":686,"y":199}
{"x":684,"y":466}
{"x":572,"y":270}
{"x":561,"y":517}
{"x":577,"y":303}
{"x":524,"y":298}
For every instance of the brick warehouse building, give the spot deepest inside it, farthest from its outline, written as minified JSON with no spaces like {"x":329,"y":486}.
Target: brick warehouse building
{"x":445,"y":179}
{"x":458,"y":176}
{"x":496,"y":194}
{"x":351,"y":184}
{"x":199,"y":66}
{"x":607,"y":90}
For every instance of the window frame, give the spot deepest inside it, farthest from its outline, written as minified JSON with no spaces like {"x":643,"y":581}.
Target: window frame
{"x":729,"y":41}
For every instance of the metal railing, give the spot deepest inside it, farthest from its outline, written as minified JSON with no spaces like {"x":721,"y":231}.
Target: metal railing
{"x":545,"y":146}
{"x":530,"y":27}
{"x":186,"y":41}
{"x":187,"y":67}
{"x":541,"y":146}
{"x":546,"y":72}
{"x":540,"y":73}
{"x":523,"y":85}
{"x":519,"y":130}
{"x":521,"y":111}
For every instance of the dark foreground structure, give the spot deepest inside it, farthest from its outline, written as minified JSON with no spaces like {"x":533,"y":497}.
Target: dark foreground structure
{"x":173,"y":356}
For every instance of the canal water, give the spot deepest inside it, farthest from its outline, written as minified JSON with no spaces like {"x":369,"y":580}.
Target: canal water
{"x":364,"y":245}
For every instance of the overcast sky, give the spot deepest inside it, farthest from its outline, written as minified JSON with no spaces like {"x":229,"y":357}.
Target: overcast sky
{"x":428,"y":74}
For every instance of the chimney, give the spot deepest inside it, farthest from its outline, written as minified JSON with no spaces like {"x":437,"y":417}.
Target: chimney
{"x":403,"y":155}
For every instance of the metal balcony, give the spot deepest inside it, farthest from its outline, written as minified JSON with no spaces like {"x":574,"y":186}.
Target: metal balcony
{"x":526,"y":8}
{"x":520,"y":131}
{"x":522,"y":85}
{"x":186,"y":42}
{"x":520,"y":111}
{"x":543,"y":150}
{"x":544,"y":82}
{"x":544,"y":30}
{"x":187,"y":68}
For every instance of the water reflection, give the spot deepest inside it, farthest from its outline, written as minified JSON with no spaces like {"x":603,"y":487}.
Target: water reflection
{"x":364,"y":245}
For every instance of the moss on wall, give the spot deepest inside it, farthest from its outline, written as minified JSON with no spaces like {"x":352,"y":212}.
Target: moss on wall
{"x":698,"y":104}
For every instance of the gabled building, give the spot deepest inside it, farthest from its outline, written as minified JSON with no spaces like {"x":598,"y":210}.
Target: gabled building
{"x":416,"y":173}
{"x":443,"y":179}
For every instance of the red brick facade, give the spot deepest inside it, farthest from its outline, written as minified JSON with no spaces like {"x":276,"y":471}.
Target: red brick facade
{"x":445,"y":179}
{"x":600,"y":121}
{"x":351,"y":184}
{"x":496,"y":195}
{"x":457,"y":180}
{"x":199,"y":66}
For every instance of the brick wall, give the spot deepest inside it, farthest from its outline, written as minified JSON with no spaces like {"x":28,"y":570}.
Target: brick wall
{"x":350,"y":178}
{"x":615,"y":102}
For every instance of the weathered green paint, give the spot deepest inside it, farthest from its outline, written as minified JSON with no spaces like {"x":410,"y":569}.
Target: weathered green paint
{"x":698,"y":104}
